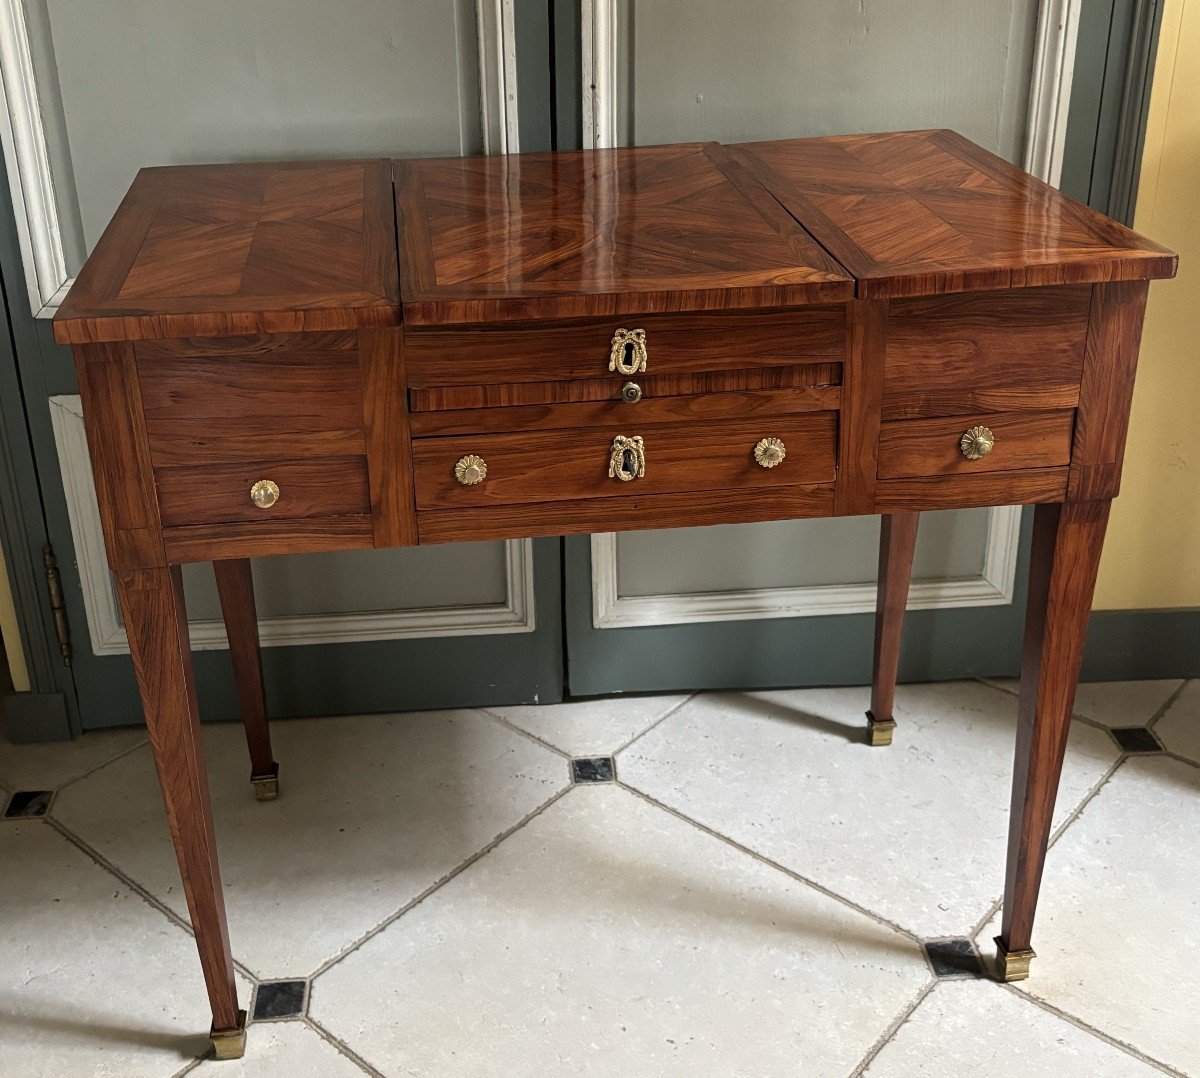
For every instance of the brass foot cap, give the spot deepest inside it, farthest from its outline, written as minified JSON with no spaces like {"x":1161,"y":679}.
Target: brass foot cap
{"x":879,"y":731}
{"x":230,"y":1043}
{"x":266,"y":787}
{"x":1012,"y":965}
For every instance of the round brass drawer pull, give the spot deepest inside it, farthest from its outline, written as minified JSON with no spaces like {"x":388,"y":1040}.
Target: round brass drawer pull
{"x":977,"y":442}
{"x":264,"y":493}
{"x":631,"y":393}
{"x":628,"y":352}
{"x":470,"y":470}
{"x":627,"y":458}
{"x":770,"y":452}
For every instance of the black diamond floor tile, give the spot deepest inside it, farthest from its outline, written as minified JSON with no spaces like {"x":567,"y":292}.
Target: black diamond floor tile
{"x":279,"y":999}
{"x":28,"y":804}
{"x":593,"y":769}
{"x":1136,"y":739}
{"x":954,"y":958}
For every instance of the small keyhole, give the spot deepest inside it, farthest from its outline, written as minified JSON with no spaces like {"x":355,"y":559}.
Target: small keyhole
{"x":628,"y":462}
{"x":629,"y":353}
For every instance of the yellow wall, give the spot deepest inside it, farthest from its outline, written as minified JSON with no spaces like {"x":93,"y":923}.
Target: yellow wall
{"x":1152,"y":554}
{"x":10,"y":634}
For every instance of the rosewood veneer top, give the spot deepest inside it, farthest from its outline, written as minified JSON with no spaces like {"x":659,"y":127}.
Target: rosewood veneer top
{"x":924,"y":212}
{"x":213,"y":250}
{"x":209,"y":250}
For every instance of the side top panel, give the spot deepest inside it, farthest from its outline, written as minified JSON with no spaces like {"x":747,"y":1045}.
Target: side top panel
{"x":923,"y":212}
{"x":214,"y":250}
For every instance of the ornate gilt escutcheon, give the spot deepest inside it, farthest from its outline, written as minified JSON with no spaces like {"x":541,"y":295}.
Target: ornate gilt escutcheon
{"x":627,"y":458}
{"x":628,"y":354}
{"x":977,"y":442}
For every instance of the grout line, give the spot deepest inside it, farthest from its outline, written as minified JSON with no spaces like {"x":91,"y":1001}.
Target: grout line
{"x":1153,"y":720}
{"x":524,"y":733}
{"x":1099,"y":1034}
{"x":436,"y":885}
{"x":341,"y":1046}
{"x":777,"y":866}
{"x":91,"y":771}
{"x":893,"y":1028}
{"x":145,"y":895}
{"x":189,"y":1067}
{"x":656,"y":723}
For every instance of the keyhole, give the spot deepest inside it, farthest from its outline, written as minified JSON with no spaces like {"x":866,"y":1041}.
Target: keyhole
{"x":629,"y":353}
{"x":628,"y":462}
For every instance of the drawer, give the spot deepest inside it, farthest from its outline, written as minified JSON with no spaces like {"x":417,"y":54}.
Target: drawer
{"x":985,"y":352}
{"x":573,"y":463}
{"x":290,"y":395}
{"x":920,"y":447}
{"x":674,"y":344}
{"x":220,"y":494}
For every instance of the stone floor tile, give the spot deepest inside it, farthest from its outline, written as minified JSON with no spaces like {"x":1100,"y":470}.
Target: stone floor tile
{"x":915,"y":832}
{"x":607,"y":937}
{"x":372,"y":811}
{"x":590,"y":727}
{"x":290,"y":1049}
{"x":1116,"y":929}
{"x":979,"y":1029}
{"x":1179,"y":728}
{"x":93,"y":979}
{"x":1112,"y":703}
{"x":50,"y":764}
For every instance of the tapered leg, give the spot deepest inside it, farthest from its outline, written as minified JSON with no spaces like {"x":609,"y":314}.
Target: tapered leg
{"x":152,"y":600}
{"x":1067,"y":540}
{"x":235,"y":586}
{"x":897,"y":540}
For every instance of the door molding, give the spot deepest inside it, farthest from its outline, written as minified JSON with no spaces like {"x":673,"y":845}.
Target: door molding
{"x":1050,"y":88}
{"x":495,"y":24}
{"x":993,"y":586}
{"x":515,"y":615}
{"x":598,"y":62}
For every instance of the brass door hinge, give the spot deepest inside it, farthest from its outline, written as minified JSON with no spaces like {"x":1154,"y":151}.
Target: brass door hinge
{"x":58,"y":607}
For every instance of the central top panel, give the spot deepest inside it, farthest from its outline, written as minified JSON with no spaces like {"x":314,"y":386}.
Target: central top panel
{"x":596,"y":233}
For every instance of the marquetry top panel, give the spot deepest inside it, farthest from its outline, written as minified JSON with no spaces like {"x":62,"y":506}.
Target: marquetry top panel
{"x":235,"y":249}
{"x":922,"y":212}
{"x":532,"y":236}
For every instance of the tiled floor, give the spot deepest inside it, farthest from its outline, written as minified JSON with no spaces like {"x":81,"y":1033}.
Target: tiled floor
{"x":727,"y":884}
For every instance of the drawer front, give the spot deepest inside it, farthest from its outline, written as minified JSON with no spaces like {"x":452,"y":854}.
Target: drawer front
{"x":1020,"y":440}
{"x":238,"y":398}
{"x":574,"y":463}
{"x":985,"y":352}
{"x":674,"y":344}
{"x":220,"y":494}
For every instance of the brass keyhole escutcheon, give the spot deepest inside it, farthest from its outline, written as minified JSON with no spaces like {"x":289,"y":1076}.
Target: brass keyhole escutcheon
{"x":631,"y":393}
{"x":977,"y":442}
{"x":770,"y":452}
{"x":627,"y":458}
{"x":628,"y":352}
{"x":470,"y":470}
{"x":264,"y":493}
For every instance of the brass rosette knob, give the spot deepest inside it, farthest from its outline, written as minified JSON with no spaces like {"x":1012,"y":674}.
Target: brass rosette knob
{"x":264,"y":493}
{"x":977,"y":442}
{"x":627,"y":458}
{"x":769,"y":452}
{"x":628,"y":352}
{"x":470,"y":470}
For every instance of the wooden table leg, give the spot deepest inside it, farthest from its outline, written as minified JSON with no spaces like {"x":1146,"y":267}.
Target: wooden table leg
{"x":152,"y":600}
{"x":1067,"y":540}
{"x":897,"y":540}
{"x":235,"y":586}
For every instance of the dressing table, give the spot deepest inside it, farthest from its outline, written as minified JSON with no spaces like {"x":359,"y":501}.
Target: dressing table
{"x":317,"y":356}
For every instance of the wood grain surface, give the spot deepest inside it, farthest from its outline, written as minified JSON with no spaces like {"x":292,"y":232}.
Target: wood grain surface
{"x":914,"y":213}
{"x":209,"y":250}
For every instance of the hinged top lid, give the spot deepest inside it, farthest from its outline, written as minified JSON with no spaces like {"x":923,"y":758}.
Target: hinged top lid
{"x":594,"y":233}
{"x":920,"y":212}
{"x":206,"y":250}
